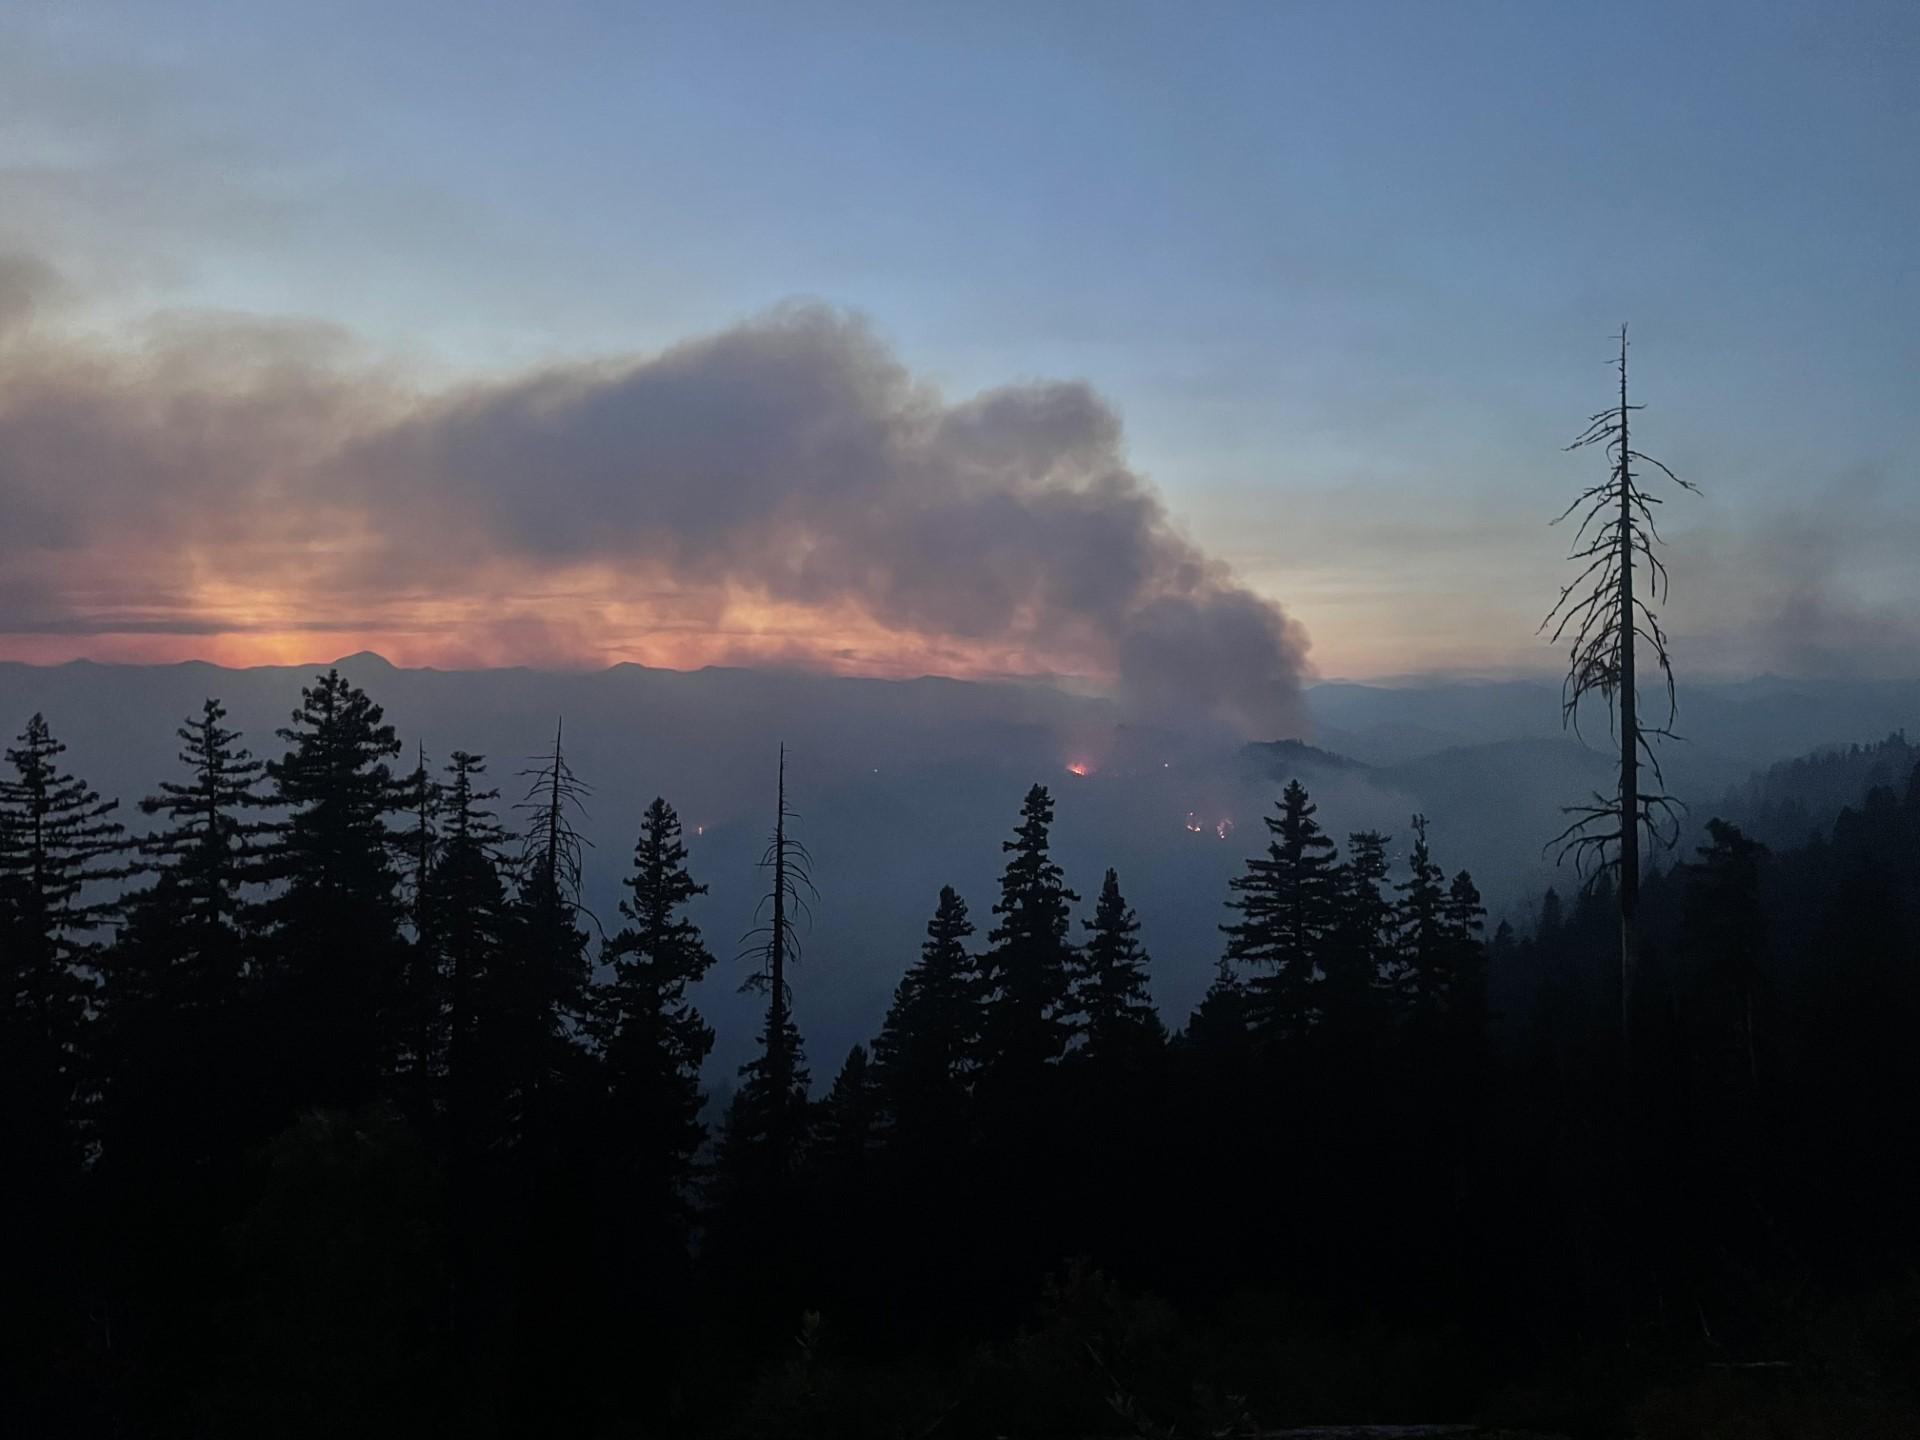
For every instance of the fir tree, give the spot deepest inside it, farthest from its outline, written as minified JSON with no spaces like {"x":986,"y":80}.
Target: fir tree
{"x":1027,"y":971}
{"x":57,"y":848}
{"x":422,"y":798}
{"x":189,"y":927}
{"x":187,"y":1042}
{"x":1552,"y":916}
{"x":845,"y":1132}
{"x":335,"y":941}
{"x":1117,"y":1021}
{"x":422,"y":1000}
{"x":764,"y":1129}
{"x":1725,"y":925}
{"x":1285,"y":899}
{"x":467,"y":939}
{"x":1219,"y":1023}
{"x":1465,"y":994}
{"x":923,"y":1055}
{"x":652,"y":1039}
{"x":1426,"y":943}
{"x":1359,"y":958}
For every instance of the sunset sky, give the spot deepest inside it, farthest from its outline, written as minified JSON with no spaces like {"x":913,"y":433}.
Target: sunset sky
{"x":1174,"y":345}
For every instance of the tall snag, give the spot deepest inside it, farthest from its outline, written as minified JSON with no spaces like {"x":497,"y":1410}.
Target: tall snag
{"x":552,"y":847}
{"x":1601,"y":619}
{"x":776,"y":1080}
{"x":550,"y":901}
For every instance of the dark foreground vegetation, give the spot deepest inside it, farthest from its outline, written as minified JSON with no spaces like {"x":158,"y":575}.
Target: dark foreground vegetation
{"x":328,"y":1110}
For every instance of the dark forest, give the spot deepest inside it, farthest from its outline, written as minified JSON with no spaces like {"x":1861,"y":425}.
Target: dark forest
{"x":330,"y":1109}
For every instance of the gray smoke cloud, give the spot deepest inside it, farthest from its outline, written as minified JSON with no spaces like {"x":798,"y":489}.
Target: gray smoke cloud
{"x":789,"y":463}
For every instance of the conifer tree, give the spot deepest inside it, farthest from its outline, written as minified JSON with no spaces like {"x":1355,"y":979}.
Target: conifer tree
{"x":57,"y":847}
{"x":1219,"y":1023}
{"x":422,"y":1002}
{"x":1426,"y":942}
{"x":335,"y":943}
{"x":924,"y":1052}
{"x":1027,"y":970}
{"x":1359,"y":958}
{"x":467,"y":936}
{"x":422,"y":797}
{"x":1466,"y":980}
{"x":847,"y":1127}
{"x":186,"y":1042}
{"x":764,"y":1129}
{"x":1285,"y":899}
{"x":187,"y":931}
{"x":1725,"y":925}
{"x":652,"y":1039}
{"x":1552,"y":916}
{"x":1116,"y":1019}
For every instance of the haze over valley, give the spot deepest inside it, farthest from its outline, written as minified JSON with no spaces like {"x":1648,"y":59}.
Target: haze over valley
{"x":903,"y":786}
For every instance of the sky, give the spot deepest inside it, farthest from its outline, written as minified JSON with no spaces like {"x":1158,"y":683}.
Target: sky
{"x":1180,"y":349}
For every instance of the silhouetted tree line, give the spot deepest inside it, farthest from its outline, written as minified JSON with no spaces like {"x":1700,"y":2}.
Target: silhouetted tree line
{"x":330,"y":1109}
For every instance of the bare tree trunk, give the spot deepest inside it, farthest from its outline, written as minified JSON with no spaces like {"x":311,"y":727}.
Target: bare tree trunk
{"x":552,"y":865}
{"x":777,"y":1059}
{"x":1629,"y":728}
{"x":1600,"y":615}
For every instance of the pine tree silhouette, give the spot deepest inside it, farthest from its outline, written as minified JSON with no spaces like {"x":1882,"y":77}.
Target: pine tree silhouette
{"x":1725,"y":925}
{"x":335,"y":947}
{"x":1027,"y":970}
{"x":468,"y":937}
{"x":187,"y":1041}
{"x":846,"y":1128}
{"x":1285,"y":899}
{"x":1466,"y":980}
{"x":1358,"y":962}
{"x":422,"y":1004}
{"x":57,"y":848}
{"x":1220,"y":1021}
{"x":191,"y":924}
{"x":1117,"y":1022}
{"x":923,"y":1057}
{"x":1426,"y":944}
{"x":652,"y":1039}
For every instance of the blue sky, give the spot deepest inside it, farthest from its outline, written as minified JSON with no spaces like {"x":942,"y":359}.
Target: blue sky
{"x":1346,"y":272}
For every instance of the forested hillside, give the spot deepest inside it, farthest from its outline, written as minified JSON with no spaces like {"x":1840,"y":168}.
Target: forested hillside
{"x":331,"y":1108}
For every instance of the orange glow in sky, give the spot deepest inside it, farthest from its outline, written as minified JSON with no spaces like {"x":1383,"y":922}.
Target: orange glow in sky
{"x":582,"y":618}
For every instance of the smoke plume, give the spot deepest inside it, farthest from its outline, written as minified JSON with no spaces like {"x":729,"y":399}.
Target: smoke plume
{"x":781,"y":491}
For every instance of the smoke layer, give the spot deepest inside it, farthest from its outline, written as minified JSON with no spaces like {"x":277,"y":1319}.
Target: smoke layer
{"x":782,"y":490}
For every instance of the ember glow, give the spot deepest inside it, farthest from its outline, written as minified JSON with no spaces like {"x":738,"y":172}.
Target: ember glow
{"x":1079,"y":767}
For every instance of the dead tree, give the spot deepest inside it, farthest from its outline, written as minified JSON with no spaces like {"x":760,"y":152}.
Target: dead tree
{"x":552,"y":847}
{"x":1602,"y":619}
{"x":776,"y":946}
{"x":549,"y":883}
